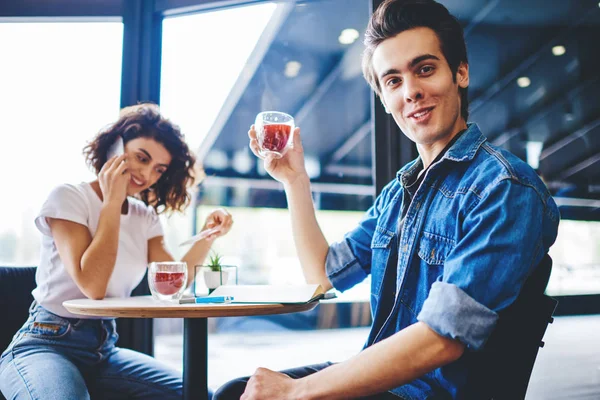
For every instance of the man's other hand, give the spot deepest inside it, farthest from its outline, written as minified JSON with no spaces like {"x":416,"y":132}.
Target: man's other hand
{"x":270,"y":385}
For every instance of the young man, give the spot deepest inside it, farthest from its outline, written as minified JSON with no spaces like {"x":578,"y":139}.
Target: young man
{"x":448,"y":244}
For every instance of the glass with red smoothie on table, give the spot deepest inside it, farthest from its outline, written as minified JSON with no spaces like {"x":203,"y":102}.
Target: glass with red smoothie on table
{"x":167,"y":280}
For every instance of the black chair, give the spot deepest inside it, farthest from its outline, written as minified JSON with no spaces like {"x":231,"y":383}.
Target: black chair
{"x":16,"y":285}
{"x":501,"y":371}
{"x":137,"y":333}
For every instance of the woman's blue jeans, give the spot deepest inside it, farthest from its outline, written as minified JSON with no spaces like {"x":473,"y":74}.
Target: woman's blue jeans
{"x":52,"y":357}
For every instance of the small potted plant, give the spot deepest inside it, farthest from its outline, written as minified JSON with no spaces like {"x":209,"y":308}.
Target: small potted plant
{"x":214,"y":275}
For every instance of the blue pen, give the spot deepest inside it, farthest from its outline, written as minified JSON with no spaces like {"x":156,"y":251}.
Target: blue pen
{"x":204,"y":300}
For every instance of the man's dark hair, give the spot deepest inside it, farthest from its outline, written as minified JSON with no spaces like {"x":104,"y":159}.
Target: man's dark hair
{"x":395,"y":16}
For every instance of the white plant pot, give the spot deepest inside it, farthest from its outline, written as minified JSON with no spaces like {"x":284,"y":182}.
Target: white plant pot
{"x":212,"y":279}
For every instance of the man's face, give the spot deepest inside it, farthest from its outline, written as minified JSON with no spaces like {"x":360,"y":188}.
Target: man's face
{"x":417,"y":86}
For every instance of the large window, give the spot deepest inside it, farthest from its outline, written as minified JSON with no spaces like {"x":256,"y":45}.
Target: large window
{"x":199,"y":77}
{"x":576,"y":259}
{"x":293,"y":58}
{"x":60,"y":85}
{"x":299,"y":58}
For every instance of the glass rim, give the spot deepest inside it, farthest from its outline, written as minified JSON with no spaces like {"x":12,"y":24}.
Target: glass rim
{"x":275,"y":112}
{"x":168,"y":263}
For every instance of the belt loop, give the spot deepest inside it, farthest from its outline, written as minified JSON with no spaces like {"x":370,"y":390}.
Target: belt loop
{"x":33,"y":306}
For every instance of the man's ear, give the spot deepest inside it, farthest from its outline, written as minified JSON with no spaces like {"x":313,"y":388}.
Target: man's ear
{"x":462,"y":75}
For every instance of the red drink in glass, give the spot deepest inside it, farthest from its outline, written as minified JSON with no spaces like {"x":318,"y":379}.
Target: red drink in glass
{"x":167,"y":280}
{"x":274,"y":132}
{"x":275,"y":137}
{"x":168,"y":283}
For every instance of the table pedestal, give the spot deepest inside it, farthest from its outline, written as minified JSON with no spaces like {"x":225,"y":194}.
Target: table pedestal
{"x":195,"y":356}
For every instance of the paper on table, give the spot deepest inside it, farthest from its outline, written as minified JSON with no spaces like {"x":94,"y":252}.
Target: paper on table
{"x":204,"y":234}
{"x":284,"y":294}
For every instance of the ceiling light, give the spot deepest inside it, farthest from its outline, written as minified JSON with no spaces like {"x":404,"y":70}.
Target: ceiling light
{"x":313,"y":166}
{"x":242,"y":162}
{"x":558,"y":50}
{"x":523,"y":81}
{"x":216,"y":159}
{"x":534,"y":149}
{"x":348,"y":36}
{"x":292,"y":68}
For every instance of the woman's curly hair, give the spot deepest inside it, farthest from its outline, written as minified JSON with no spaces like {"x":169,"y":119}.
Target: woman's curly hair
{"x":169,"y":193}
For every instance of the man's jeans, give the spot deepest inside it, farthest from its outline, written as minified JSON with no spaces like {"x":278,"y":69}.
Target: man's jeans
{"x":52,"y":357}
{"x":235,"y":388}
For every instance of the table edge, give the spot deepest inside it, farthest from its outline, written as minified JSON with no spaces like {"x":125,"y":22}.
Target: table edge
{"x":190,"y":311}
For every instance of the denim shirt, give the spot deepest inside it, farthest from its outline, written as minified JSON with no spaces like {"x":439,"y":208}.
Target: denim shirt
{"x":476,"y":228}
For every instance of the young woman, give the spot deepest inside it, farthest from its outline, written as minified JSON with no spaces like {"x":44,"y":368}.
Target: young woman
{"x":98,"y":239}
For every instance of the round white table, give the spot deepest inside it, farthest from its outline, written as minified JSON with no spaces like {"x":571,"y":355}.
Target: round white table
{"x":195,"y":333}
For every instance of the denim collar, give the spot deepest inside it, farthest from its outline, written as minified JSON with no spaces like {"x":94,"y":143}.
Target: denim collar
{"x":464,"y":149}
{"x":467,"y":145}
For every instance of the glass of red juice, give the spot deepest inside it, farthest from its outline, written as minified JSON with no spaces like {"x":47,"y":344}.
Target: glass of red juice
{"x":274,"y":131}
{"x":167,"y":280}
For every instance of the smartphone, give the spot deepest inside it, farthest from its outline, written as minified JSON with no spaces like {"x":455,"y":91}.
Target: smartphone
{"x":116,"y":149}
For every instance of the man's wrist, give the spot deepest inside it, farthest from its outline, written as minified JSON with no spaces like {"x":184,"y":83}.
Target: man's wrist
{"x":302,"y":181}
{"x":302,"y":390}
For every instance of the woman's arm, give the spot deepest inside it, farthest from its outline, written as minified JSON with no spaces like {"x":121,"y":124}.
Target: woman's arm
{"x":219,"y":218}
{"x":157,"y":252}
{"x":91,"y":261}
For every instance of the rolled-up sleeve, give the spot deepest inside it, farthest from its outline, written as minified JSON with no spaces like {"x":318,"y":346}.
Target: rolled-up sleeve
{"x":447,"y":304}
{"x":349,"y":261}
{"x":343,"y":268}
{"x":484,"y":272}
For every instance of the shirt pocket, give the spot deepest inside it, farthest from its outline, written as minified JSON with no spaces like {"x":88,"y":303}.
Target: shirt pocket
{"x":433,"y":249}
{"x":425,"y":270}
{"x":381,"y":248}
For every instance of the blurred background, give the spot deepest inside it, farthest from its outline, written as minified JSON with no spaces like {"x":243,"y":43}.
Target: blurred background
{"x":68,"y":66}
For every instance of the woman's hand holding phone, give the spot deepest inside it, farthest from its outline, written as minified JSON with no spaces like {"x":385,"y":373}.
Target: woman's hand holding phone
{"x":114,"y":179}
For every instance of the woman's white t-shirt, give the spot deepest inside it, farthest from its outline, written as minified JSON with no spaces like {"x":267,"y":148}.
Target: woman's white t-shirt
{"x":80,"y":204}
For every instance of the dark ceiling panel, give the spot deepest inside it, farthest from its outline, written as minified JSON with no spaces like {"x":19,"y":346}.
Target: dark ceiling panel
{"x":511,"y":39}
{"x":564,"y":115}
{"x":60,"y":8}
{"x":329,"y":98}
{"x":537,"y":13}
{"x":573,"y":151}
